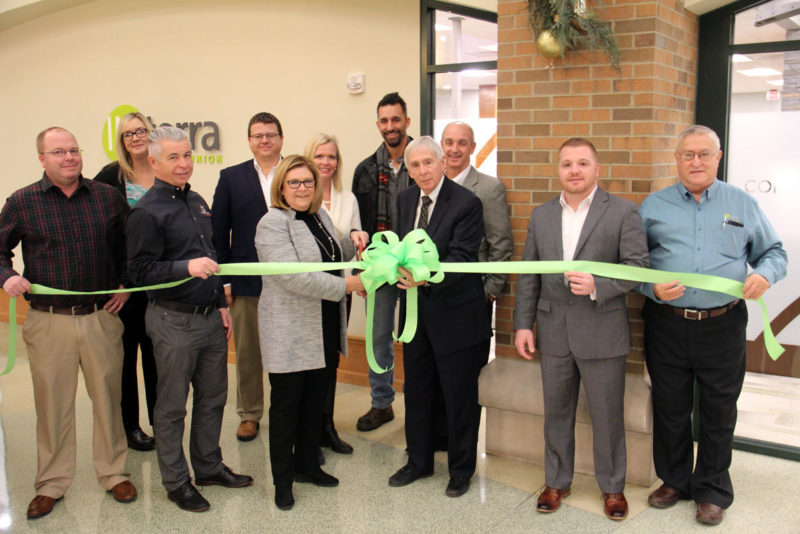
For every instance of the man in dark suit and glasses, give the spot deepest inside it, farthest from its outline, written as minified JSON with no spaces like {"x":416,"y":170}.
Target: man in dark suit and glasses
{"x":446,"y":353}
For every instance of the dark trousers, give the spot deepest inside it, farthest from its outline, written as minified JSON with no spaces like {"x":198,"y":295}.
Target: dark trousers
{"x":135,"y":337}
{"x":189,"y":349}
{"x":454,"y":376}
{"x":678,"y":352}
{"x":295,"y":421}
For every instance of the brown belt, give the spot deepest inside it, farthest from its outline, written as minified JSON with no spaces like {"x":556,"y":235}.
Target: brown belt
{"x":75,"y":311}
{"x":699,"y":315}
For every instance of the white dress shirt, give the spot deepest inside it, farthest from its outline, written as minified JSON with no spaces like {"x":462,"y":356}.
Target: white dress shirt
{"x":433,"y":196}
{"x":266,"y":181}
{"x":462,"y":176}
{"x":571,"y":226}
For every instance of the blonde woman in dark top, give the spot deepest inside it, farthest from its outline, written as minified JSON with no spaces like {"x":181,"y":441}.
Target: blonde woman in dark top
{"x":132,"y":175}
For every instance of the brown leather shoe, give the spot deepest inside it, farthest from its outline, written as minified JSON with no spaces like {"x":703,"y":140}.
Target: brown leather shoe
{"x":374,"y":418}
{"x":550,"y":499}
{"x":125,"y":491}
{"x":615,"y":506}
{"x":709,"y":514}
{"x":247,"y":431}
{"x":40,"y":506}
{"x":664,"y":497}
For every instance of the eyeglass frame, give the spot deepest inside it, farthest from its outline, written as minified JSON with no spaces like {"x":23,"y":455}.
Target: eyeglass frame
{"x":268,"y":136}
{"x":61,"y":153}
{"x":308,"y":183}
{"x":705,"y":156}
{"x":138,"y":133}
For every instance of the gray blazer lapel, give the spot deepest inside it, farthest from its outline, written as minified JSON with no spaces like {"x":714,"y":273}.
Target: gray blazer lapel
{"x":471,"y":180}
{"x":554,"y":219}
{"x":596,"y":211}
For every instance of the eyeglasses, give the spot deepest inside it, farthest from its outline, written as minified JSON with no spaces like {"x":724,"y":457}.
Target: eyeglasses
{"x":295,"y":184}
{"x":60,"y":153}
{"x":704,"y":156}
{"x":268,"y":136}
{"x":141,"y":132}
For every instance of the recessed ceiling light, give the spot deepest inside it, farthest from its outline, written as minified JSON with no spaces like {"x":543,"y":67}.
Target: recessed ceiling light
{"x":490,"y":48}
{"x":442,"y":27}
{"x":740,"y":58}
{"x":472,"y":73}
{"x":447,"y":87}
{"x":778,"y":83}
{"x":760,"y":71}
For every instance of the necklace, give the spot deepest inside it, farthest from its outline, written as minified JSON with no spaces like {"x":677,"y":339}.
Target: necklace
{"x":332,"y":253}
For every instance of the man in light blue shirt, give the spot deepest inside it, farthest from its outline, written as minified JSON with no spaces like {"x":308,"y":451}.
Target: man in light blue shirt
{"x":701,"y":225}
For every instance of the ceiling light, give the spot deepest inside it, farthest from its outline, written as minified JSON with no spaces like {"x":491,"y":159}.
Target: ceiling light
{"x":778,"y":83}
{"x":760,"y":71}
{"x":740,"y":58}
{"x":442,"y":27}
{"x":490,"y":48}
{"x":472,"y":73}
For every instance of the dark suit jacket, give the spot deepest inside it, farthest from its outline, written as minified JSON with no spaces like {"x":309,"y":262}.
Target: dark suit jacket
{"x":612,"y":233}
{"x":237,"y":208}
{"x":454,"y":311}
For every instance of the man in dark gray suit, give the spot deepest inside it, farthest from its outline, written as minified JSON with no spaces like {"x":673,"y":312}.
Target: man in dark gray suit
{"x":582,"y":322}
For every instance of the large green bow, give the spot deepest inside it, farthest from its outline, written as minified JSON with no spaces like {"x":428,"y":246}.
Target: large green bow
{"x":381,"y":260}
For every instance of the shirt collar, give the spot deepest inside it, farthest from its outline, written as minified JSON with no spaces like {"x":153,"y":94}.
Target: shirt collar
{"x":46,"y":184}
{"x":461,"y":177}
{"x":435,"y":193}
{"x":708,"y":193}
{"x":158,"y":183}
{"x":585,"y":203}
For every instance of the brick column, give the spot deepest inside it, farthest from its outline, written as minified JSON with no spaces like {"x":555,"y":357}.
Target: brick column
{"x":632,"y":117}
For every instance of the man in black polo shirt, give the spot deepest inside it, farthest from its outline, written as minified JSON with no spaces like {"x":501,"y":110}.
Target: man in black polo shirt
{"x":169,"y":238}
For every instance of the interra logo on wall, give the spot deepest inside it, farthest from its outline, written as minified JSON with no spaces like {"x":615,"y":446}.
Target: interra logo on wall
{"x":203,"y":135}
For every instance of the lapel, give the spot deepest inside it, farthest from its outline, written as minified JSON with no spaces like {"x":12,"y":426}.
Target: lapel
{"x":596,"y":210}
{"x":471,"y":180}
{"x":554,"y":220}
{"x":441,"y":206}
{"x":254,"y":184}
{"x":409,"y":211}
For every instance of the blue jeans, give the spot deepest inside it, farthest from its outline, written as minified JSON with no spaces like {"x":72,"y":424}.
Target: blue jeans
{"x":382,"y":384}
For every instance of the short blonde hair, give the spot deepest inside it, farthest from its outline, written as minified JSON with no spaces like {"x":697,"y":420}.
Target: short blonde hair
{"x":323,"y":139}
{"x":294,"y":161}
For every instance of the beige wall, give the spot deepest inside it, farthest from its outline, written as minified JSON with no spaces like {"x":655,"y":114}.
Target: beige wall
{"x":206,"y":60}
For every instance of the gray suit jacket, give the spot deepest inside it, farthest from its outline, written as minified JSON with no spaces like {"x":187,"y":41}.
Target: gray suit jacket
{"x":289,"y":310}
{"x":612,"y":233}
{"x":497,"y":243}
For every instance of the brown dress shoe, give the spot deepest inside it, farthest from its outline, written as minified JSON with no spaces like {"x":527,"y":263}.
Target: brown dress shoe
{"x":615,"y":506}
{"x":247,"y":431}
{"x":550,"y":499}
{"x":374,"y":418}
{"x":709,"y":514}
{"x":125,"y":491}
{"x":40,"y":506}
{"x":664,"y":497}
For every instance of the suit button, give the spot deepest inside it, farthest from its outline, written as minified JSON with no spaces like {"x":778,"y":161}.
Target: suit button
{"x":569,"y":301}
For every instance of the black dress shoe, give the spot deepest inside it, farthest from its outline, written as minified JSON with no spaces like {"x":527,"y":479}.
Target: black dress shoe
{"x":188,"y":498}
{"x":405,"y":476}
{"x":331,"y":440}
{"x":457,"y":486}
{"x":139,"y":441}
{"x":226,"y":478}
{"x":284,"y":499}
{"x":317,"y":477}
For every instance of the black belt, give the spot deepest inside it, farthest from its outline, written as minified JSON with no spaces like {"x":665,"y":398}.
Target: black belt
{"x":75,"y":311}
{"x":186,"y":308}
{"x":699,"y":315}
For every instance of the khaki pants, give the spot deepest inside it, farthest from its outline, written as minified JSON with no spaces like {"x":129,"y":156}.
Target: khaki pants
{"x":249,"y":370}
{"x":57,"y":346}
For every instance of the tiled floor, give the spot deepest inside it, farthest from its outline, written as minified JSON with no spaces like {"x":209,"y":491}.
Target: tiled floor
{"x":502,"y":498}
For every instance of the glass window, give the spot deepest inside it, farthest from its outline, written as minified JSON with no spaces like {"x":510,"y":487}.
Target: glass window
{"x":768,"y":22}
{"x":462,"y":39}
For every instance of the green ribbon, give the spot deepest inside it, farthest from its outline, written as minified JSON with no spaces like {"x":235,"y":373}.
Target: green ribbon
{"x":417,"y":253}
{"x":386,"y":253}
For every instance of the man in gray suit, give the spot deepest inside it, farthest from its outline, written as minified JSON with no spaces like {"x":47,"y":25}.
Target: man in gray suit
{"x":582,"y":322}
{"x":458,"y":143}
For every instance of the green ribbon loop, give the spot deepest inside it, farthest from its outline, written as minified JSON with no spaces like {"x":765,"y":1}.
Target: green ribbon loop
{"x":417,"y":253}
{"x":381,"y":261}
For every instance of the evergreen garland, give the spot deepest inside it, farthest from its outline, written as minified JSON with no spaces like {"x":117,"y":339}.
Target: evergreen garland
{"x":572,"y":29}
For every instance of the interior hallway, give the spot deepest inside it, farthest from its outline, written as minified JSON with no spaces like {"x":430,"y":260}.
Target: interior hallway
{"x":502,"y":498}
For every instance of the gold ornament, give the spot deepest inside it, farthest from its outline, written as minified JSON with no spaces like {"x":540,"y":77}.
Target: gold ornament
{"x":548,"y":45}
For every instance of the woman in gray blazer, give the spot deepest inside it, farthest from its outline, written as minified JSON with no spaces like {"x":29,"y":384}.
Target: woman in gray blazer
{"x":302,"y":321}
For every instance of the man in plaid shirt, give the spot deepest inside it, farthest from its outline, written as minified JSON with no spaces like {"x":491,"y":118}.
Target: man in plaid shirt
{"x":71,"y":230}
